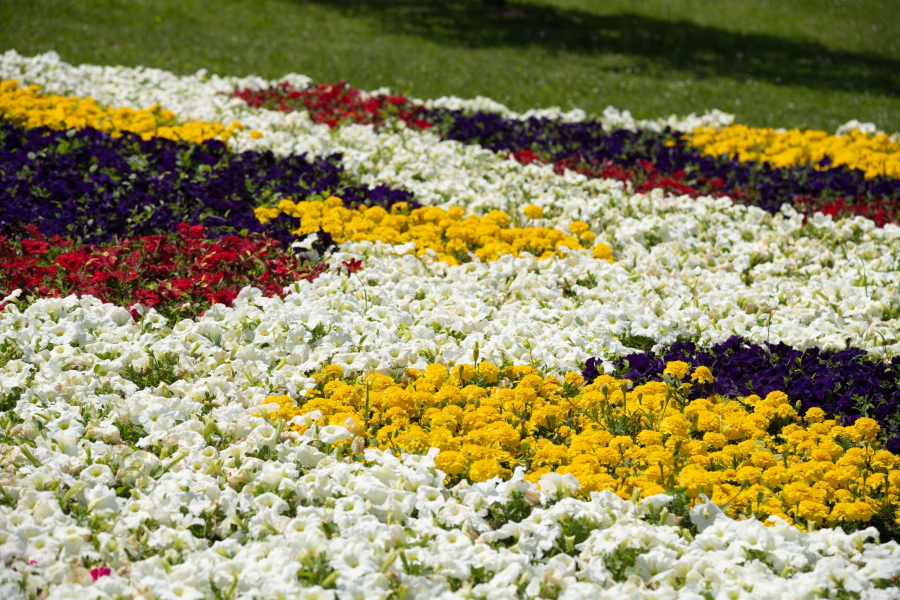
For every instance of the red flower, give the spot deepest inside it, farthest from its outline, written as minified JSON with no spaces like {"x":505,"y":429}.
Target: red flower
{"x":525,"y":156}
{"x":353,"y":265}
{"x":225,"y":297}
{"x":35,"y":246}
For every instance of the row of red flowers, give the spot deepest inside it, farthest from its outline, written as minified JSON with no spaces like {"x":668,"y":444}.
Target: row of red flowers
{"x":644,"y":177}
{"x":337,"y":103}
{"x":179,"y":275}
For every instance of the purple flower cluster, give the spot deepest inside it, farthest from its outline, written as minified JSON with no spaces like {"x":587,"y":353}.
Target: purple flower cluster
{"x":846,"y":383}
{"x":586,"y":147}
{"x":87,"y":184}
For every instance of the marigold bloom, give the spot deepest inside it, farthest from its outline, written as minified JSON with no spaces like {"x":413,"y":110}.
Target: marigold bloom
{"x":482,"y":470}
{"x":677,"y":369}
{"x":451,"y":462}
{"x":533,"y":211}
{"x":702,"y":375}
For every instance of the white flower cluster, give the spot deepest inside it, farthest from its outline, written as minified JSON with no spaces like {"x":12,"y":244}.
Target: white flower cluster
{"x":113,"y":488}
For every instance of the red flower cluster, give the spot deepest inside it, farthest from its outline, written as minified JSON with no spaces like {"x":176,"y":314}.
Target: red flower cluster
{"x":337,"y":103}
{"x":644,"y":176}
{"x":877,"y":211}
{"x":179,"y":275}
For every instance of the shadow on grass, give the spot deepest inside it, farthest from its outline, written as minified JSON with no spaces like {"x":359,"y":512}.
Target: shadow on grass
{"x":697,"y":50}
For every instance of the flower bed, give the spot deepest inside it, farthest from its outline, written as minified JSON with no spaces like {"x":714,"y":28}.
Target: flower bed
{"x":338,"y":353}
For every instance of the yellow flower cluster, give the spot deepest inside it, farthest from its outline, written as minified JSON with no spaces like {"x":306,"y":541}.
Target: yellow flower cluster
{"x":755,"y":456}
{"x":874,"y":154}
{"x":449,"y":232}
{"x":27,"y":106}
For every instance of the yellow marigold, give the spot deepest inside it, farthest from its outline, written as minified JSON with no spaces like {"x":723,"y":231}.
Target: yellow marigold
{"x":464,"y":373}
{"x":677,"y":369}
{"x":866,"y":428}
{"x":894,"y":478}
{"x":482,"y":470}
{"x":812,"y":511}
{"x":437,"y":373}
{"x":579,"y":227}
{"x":775,"y":476}
{"x":574,"y":379}
{"x":533,"y":211}
{"x":851,"y":512}
{"x":702,"y":375}
{"x":675,"y":425}
{"x":786,"y":411}
{"x":488,"y":371}
{"x":333,"y":371}
{"x":814,"y":415}
{"x":603,"y":252}
{"x":413,"y":440}
{"x":763,"y":459}
{"x":443,"y":439}
{"x":451,"y":462}
{"x":649,"y":438}
{"x":776,"y":399}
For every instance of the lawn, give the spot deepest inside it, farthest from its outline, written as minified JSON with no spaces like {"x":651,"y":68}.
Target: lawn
{"x":779,"y":63}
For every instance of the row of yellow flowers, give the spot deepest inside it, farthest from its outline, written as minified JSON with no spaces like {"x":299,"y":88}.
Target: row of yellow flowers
{"x":875,"y":154}
{"x":754,"y":456}
{"x":449,"y":233}
{"x":28,"y":107}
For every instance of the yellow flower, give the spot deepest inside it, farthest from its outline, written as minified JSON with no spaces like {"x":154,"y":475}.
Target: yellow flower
{"x":482,"y":470}
{"x":533,"y":211}
{"x":702,"y":375}
{"x":677,"y":369}
{"x":29,"y":107}
{"x":812,"y":511}
{"x":488,"y":371}
{"x":851,"y":512}
{"x":575,"y":379}
{"x":579,"y":227}
{"x":815,"y":415}
{"x":484,"y":429}
{"x":450,"y":462}
{"x":866,"y":428}
{"x":603,"y":252}
{"x":874,"y":154}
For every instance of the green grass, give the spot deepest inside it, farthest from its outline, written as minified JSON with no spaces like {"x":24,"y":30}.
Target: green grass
{"x":815,"y":63}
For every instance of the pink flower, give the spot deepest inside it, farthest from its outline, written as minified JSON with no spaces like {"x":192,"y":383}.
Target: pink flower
{"x":98,"y":572}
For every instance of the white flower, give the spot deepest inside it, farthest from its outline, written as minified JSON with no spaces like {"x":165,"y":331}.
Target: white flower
{"x":331,"y":434}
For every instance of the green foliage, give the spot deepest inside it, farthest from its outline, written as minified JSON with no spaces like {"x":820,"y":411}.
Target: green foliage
{"x":575,"y":530}
{"x":621,"y":562}
{"x":130,"y":432}
{"x":515,"y":510}
{"x":316,"y":571}
{"x":159,"y":370}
